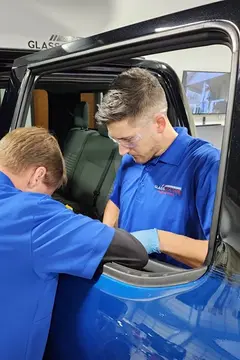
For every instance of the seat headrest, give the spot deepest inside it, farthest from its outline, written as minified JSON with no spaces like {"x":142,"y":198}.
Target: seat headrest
{"x":102,"y":129}
{"x":81,"y":115}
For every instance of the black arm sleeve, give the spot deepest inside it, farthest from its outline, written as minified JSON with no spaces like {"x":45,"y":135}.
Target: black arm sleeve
{"x":126,"y":250}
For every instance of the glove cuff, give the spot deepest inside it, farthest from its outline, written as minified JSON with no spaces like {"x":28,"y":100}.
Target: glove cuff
{"x":155,"y":245}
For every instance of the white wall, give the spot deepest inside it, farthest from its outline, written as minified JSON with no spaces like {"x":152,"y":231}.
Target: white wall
{"x":23,"y":20}
{"x":208,"y":58}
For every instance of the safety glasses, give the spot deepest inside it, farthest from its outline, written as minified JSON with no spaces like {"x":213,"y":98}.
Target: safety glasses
{"x":129,"y":143}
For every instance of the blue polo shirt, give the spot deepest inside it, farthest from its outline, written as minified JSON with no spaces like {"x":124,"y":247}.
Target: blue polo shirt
{"x":39,"y":238}
{"x":173,"y":192}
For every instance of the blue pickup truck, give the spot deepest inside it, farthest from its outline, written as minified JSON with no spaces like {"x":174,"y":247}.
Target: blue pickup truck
{"x":162,"y":311}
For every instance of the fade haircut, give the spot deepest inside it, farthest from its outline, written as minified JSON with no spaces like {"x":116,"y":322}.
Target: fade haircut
{"x":134,"y":93}
{"x":28,"y":147}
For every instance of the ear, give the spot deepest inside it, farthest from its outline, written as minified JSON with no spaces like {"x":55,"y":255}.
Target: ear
{"x":37,"y":176}
{"x":160,"y":122}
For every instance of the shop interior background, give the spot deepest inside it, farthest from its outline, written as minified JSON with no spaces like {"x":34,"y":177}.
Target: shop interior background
{"x":40,"y":24}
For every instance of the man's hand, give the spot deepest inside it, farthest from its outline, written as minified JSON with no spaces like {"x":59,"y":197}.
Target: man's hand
{"x":191,"y":252}
{"x":149,"y":239}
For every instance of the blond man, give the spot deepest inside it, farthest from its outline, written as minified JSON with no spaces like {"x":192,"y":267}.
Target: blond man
{"x":40,"y":238}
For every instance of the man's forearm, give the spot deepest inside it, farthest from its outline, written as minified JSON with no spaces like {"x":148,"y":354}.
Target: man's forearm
{"x":187,"y":250}
{"x":111,"y":214}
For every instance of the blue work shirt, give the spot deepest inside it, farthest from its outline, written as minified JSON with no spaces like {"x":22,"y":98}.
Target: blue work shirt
{"x":39,"y":238}
{"x":173,"y":192}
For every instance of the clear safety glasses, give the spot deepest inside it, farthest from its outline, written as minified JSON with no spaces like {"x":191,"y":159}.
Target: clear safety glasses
{"x":129,"y":143}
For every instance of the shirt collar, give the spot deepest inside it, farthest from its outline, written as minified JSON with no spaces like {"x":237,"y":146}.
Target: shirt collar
{"x":176,"y":150}
{"x":4,"y":179}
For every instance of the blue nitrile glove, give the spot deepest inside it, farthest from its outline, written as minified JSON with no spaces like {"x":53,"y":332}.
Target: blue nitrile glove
{"x":149,"y":239}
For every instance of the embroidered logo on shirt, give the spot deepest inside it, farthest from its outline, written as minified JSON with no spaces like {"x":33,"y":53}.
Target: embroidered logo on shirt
{"x":169,"y":190}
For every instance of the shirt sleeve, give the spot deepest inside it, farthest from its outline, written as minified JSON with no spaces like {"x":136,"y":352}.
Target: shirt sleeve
{"x":64,"y":242}
{"x":205,"y":196}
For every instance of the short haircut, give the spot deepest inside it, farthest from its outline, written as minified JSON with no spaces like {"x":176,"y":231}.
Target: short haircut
{"x":28,"y":147}
{"x":134,"y":93}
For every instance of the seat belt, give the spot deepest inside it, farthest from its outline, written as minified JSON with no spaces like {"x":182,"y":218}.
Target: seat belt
{"x":96,"y":192}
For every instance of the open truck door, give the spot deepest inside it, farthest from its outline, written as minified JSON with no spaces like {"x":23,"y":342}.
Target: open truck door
{"x":161,"y":312}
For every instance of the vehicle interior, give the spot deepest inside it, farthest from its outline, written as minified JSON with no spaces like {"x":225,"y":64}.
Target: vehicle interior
{"x":92,"y":159}
{"x":66,"y":103}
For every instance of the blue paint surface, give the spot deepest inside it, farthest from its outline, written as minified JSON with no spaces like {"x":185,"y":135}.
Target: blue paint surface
{"x":108,"y":319}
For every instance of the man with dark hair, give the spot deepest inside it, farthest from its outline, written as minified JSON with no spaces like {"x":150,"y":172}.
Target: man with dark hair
{"x":165,"y":187}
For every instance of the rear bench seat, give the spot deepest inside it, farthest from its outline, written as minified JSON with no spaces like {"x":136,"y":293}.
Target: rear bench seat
{"x":92,"y":160}
{"x":76,"y":138}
